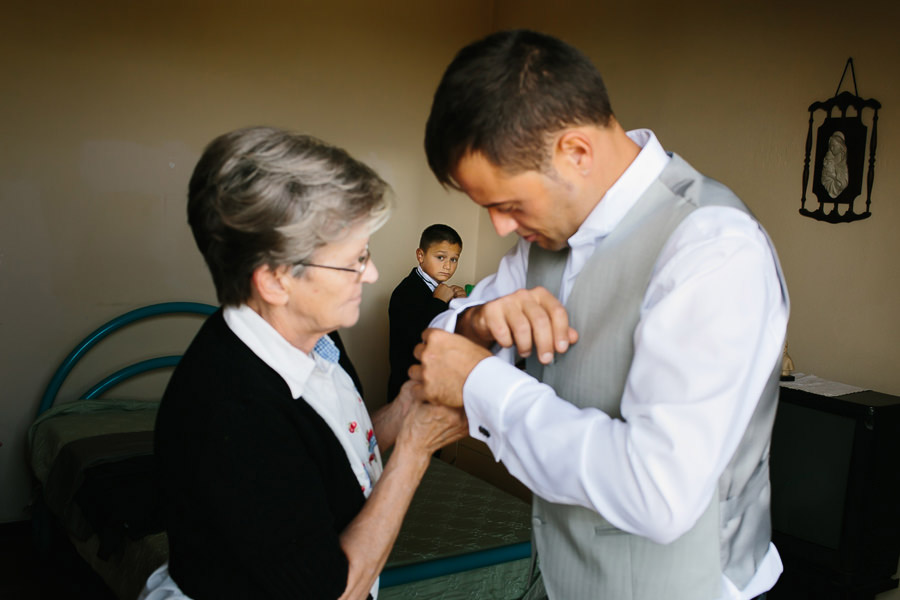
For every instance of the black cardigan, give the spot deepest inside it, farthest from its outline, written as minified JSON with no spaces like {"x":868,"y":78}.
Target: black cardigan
{"x":255,"y":487}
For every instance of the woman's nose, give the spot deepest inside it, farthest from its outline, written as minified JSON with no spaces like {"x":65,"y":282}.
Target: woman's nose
{"x":370,"y":275}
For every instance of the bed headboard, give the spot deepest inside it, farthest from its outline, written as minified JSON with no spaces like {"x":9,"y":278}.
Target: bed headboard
{"x":145,"y":312}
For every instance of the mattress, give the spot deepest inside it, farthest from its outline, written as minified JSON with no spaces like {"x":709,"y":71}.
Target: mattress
{"x":71,"y":421}
{"x":93,"y":459}
{"x":454,"y":514}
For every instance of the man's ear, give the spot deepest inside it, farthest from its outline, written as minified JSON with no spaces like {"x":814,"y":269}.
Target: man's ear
{"x":271,"y":285}
{"x":574,"y":152}
{"x":420,"y":255}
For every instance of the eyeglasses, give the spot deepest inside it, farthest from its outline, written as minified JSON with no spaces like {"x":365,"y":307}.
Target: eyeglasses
{"x":359,"y":269}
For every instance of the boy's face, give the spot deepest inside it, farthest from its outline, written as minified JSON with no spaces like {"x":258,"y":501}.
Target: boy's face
{"x":439,"y":260}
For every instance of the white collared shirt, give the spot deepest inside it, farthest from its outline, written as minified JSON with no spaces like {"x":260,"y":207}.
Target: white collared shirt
{"x":323,"y":384}
{"x":428,"y":279}
{"x":687,"y":401}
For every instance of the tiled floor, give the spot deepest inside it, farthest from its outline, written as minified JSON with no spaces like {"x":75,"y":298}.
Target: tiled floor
{"x":25,"y":575}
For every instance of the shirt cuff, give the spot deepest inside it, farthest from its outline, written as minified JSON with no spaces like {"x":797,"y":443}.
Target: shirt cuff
{"x":486,"y":392}
{"x":447,"y":319}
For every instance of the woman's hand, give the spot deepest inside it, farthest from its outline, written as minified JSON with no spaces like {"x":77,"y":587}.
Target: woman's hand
{"x":388,"y":420}
{"x":429,"y":427}
{"x":408,"y":395}
{"x":367,"y":540}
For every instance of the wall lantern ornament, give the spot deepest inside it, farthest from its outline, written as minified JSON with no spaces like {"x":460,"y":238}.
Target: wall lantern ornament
{"x":840,"y":159}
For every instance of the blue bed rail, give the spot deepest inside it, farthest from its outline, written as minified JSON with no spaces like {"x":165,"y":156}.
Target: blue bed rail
{"x":104,"y":330}
{"x":454,"y":564}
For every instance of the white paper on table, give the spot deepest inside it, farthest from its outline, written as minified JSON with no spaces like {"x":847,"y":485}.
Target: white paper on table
{"x":822,"y":387}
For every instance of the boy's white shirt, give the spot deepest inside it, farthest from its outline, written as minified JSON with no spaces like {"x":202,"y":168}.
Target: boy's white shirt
{"x":428,"y":279}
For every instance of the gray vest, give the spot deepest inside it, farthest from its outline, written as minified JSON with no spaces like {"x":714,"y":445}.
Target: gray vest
{"x":581,"y":554}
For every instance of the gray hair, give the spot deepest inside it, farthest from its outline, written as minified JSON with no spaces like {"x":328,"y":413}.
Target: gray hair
{"x":264,"y":196}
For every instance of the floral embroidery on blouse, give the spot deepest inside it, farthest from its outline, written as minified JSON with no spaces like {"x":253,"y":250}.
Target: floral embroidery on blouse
{"x":370,"y":436}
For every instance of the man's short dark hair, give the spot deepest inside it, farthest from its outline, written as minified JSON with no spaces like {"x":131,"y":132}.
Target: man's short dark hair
{"x":504,"y":95}
{"x":437,"y":233}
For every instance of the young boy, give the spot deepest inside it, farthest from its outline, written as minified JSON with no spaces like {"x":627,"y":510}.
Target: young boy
{"x":420,"y":297}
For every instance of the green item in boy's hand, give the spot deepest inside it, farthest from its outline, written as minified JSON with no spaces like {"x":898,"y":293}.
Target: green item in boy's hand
{"x":469,"y":288}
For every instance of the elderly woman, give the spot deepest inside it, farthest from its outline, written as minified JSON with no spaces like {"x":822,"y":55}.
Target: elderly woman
{"x":270,"y":468}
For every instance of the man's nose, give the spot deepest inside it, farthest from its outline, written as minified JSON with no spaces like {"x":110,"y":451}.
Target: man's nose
{"x":502,"y":222}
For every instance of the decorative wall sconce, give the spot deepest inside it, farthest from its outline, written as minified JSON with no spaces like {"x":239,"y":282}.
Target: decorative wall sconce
{"x":787,"y":365}
{"x":840,"y":155}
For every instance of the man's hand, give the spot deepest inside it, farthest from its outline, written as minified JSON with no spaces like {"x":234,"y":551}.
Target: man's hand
{"x":446,"y":361}
{"x":532,"y":320}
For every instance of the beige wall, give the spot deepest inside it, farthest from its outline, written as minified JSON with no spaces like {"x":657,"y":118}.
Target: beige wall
{"x":106,"y":107}
{"x":727,"y":86}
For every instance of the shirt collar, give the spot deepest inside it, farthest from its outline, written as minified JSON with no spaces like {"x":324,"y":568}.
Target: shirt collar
{"x":429,"y":281}
{"x":624,"y":193}
{"x":291,"y":363}
{"x":327,"y":349}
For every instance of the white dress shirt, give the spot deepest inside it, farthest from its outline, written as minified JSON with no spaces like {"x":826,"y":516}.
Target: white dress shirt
{"x":712,"y":325}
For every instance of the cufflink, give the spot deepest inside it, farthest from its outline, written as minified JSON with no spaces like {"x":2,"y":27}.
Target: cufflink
{"x":483,"y":431}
